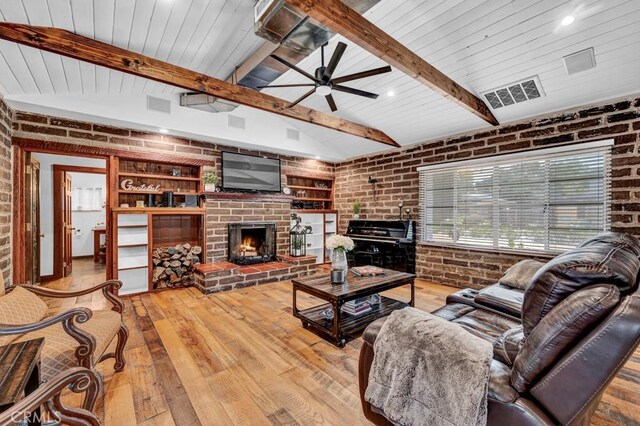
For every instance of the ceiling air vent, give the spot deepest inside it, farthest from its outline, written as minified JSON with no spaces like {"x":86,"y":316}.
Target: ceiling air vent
{"x":579,"y":61}
{"x":293,"y":134}
{"x":236,"y":122}
{"x":514,"y":93}
{"x":158,"y":104}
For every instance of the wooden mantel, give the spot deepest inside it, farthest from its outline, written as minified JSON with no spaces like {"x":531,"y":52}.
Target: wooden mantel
{"x":248,"y":197}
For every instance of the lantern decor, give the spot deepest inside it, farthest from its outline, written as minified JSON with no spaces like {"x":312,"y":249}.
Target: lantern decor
{"x":298,"y":237}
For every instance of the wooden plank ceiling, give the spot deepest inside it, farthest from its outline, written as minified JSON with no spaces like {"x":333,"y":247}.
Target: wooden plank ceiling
{"x":202,"y":35}
{"x":75,"y":46}
{"x":480,"y":44}
{"x":483,"y":45}
{"x":339,"y":17}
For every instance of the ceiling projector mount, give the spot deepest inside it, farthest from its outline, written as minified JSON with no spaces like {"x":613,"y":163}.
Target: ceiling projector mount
{"x":323,"y":83}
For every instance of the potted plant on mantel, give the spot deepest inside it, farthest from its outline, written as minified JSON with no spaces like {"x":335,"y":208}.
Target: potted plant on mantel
{"x":209,"y":179}
{"x":357,"y":205}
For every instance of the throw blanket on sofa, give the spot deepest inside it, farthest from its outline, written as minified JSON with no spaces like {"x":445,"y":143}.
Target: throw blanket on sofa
{"x":429,"y":371}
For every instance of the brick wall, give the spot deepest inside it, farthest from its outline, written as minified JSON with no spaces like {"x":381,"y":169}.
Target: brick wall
{"x":5,"y":191}
{"x":398,"y":179}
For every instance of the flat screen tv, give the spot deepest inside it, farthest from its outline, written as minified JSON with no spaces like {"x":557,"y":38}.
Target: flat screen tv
{"x":242,"y":172}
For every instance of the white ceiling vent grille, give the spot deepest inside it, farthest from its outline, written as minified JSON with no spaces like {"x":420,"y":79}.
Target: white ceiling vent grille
{"x":236,"y":122}
{"x":579,"y":61}
{"x":158,"y":104}
{"x":293,"y":134}
{"x":514,"y":93}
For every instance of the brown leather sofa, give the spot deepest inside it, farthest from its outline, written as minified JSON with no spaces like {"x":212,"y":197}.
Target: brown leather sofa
{"x":558,"y":344}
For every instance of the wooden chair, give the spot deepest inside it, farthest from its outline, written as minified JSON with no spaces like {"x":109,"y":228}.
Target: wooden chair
{"x":77,"y":337}
{"x":78,"y":379}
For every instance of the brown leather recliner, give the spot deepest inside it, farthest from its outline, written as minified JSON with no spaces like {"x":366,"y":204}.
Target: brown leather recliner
{"x":557,"y":345}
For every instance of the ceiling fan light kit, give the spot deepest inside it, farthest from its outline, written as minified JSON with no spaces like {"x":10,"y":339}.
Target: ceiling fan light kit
{"x":323,"y":90}
{"x":323,"y":83}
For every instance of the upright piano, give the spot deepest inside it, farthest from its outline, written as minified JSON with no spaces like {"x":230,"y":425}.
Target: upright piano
{"x":386,"y":243}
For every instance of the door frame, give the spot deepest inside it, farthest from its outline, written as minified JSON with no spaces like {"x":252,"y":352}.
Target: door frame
{"x":32,"y":239}
{"x":58,"y":236}
{"x":20,"y":148}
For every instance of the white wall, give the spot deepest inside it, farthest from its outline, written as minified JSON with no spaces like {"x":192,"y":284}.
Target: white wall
{"x":46,"y":201}
{"x":84,"y":221}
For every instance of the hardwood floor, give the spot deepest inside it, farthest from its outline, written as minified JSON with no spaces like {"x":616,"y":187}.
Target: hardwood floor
{"x":241,"y":358}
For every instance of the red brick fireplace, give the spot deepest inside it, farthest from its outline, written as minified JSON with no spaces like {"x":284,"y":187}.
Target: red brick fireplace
{"x":224,"y":211}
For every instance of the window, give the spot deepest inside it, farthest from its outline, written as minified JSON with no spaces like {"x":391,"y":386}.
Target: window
{"x":546,"y":200}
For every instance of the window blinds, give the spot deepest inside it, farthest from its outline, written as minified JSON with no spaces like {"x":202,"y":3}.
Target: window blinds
{"x":545,"y":200}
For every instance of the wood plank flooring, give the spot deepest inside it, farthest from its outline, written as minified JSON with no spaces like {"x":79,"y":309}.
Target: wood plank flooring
{"x":241,"y":358}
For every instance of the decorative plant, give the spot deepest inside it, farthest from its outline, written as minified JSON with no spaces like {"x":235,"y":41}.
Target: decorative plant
{"x":210,"y":178}
{"x":339,"y":246}
{"x":357,"y":205}
{"x":340,"y":243}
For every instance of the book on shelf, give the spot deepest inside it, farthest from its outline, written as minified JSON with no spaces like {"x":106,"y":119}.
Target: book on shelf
{"x":359,"y":311}
{"x":358,"y":306}
{"x":367,"y":271}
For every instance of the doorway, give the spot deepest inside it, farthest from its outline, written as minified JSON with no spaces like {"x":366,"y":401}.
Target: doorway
{"x":72,"y":197}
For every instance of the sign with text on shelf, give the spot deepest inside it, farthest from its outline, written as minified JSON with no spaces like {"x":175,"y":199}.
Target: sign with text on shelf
{"x":127,"y":185}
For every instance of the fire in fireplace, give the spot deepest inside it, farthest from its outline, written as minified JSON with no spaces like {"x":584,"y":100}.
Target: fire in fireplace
{"x":252,"y":242}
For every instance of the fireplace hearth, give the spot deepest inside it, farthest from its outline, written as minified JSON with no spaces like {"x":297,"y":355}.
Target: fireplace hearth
{"x":252,"y":242}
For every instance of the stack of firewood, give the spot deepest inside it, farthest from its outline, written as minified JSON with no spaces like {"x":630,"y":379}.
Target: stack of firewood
{"x":173,"y":266}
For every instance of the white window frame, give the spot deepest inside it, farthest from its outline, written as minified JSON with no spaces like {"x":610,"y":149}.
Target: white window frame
{"x":497,"y":160}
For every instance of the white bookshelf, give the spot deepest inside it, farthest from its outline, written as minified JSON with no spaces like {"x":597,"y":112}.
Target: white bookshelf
{"x":133,"y":252}
{"x":323,"y":225}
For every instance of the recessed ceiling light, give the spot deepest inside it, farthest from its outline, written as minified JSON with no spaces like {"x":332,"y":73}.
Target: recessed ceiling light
{"x":317,"y":157}
{"x":391,"y":93}
{"x":164,"y":131}
{"x":568,"y":20}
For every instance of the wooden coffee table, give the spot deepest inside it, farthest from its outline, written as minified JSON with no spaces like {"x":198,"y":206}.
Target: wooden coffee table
{"x":344,"y":326}
{"x":20,"y":374}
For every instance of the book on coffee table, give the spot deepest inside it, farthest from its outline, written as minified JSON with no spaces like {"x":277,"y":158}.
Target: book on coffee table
{"x":358,"y":306}
{"x":367,"y":271}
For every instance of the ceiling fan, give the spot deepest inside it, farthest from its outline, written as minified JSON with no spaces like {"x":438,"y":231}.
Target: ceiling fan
{"x":323,"y":83}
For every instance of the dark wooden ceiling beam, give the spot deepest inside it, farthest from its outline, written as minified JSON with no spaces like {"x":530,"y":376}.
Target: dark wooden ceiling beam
{"x":339,"y":17}
{"x":86,"y":49}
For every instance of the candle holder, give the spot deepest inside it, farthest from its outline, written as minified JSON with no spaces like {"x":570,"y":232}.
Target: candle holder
{"x":338,"y":276}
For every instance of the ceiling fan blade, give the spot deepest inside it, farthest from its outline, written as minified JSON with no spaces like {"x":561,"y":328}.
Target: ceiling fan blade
{"x":333,"y":63}
{"x":286,"y":85}
{"x":332,"y":103}
{"x":362,"y":74}
{"x":293,"y":67}
{"x":301,"y":98}
{"x":355,"y":91}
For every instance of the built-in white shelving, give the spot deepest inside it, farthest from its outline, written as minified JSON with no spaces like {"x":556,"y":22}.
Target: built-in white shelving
{"x":133,"y":252}
{"x":323,"y":225}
